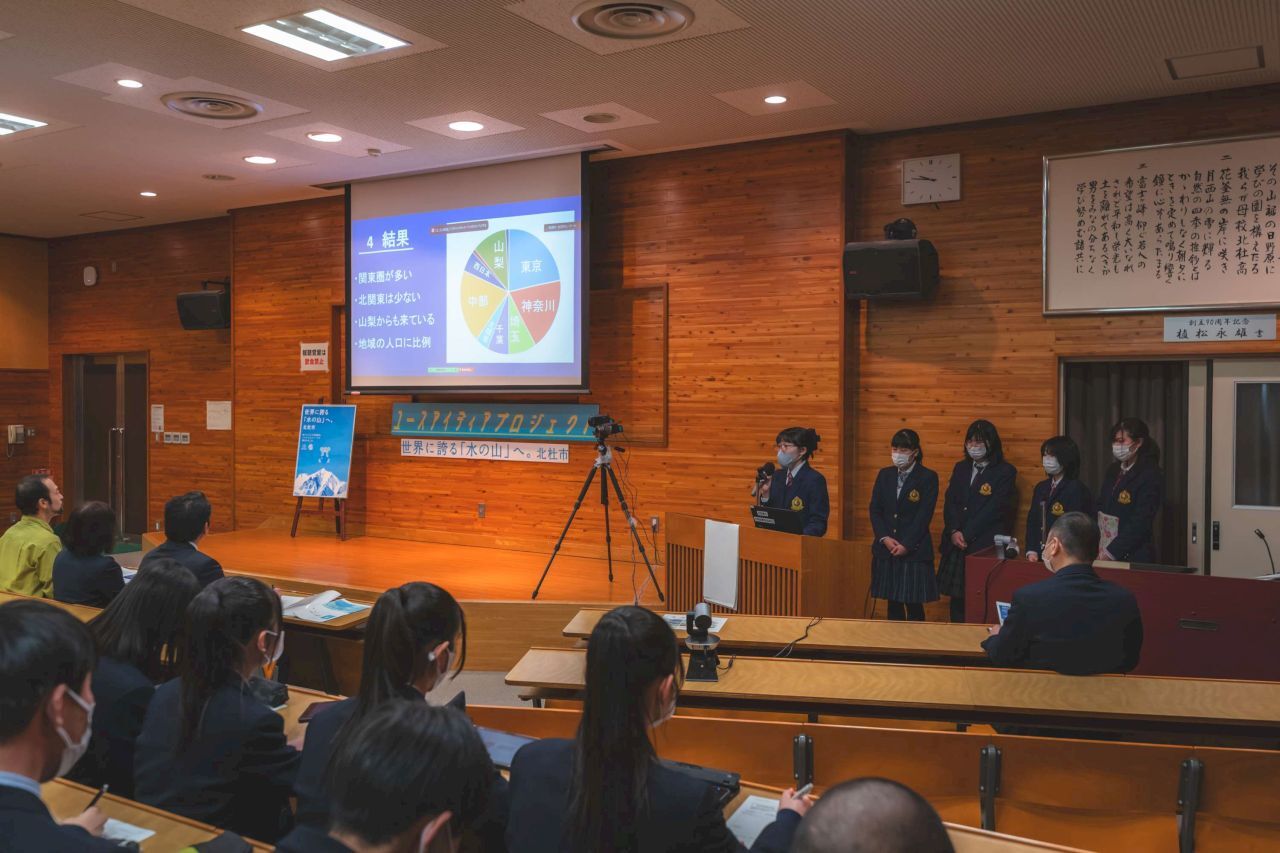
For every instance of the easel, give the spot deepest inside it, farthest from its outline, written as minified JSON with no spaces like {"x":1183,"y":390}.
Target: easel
{"x":339,"y":516}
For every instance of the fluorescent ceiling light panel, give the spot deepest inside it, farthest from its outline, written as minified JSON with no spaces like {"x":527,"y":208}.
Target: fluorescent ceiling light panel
{"x":289,"y":40}
{"x":17,"y":124}
{"x":359,"y":30}
{"x":324,"y":35}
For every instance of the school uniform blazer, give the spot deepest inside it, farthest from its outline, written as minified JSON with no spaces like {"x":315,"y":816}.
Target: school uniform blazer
{"x":205,"y":568}
{"x":309,"y":839}
{"x":122,"y":693}
{"x":683,"y":812}
{"x":26,"y":825}
{"x":1074,"y":623}
{"x":86,"y":580}
{"x":1070,"y":496}
{"x":1135,"y":497}
{"x":904,"y":515}
{"x":979,"y":509}
{"x":807,"y":493}
{"x":237,"y":774}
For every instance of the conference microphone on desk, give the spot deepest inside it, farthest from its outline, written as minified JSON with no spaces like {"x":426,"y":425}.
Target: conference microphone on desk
{"x":763,"y":475}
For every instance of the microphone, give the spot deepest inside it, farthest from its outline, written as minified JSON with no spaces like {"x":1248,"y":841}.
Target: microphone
{"x":763,"y":473}
{"x":1258,"y":532}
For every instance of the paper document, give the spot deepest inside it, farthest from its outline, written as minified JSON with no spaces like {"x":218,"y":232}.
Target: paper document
{"x":321,"y":607}
{"x":720,"y":564}
{"x":123,"y":833}
{"x":1109,"y":527}
{"x":128,"y":574}
{"x":679,"y":621}
{"x":1002,"y":610}
{"x":752,"y":817}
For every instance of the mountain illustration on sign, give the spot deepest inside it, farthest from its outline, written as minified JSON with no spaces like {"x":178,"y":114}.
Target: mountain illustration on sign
{"x":320,"y":484}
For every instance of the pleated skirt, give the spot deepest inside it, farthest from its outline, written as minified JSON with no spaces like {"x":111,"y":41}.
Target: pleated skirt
{"x":910,"y":581}
{"x":951,"y":573}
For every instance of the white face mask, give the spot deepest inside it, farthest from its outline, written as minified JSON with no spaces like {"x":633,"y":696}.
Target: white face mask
{"x":786,"y":460}
{"x":1121,"y":451}
{"x":902,"y":458}
{"x":668,"y":712}
{"x":976,"y":452}
{"x":72,"y":752}
{"x":1051,"y":466}
{"x":1044,"y":557}
{"x":278,"y":649}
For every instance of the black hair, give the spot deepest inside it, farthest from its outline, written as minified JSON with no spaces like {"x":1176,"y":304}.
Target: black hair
{"x":41,"y":646}
{"x":32,"y":489}
{"x":630,"y":650}
{"x":90,"y":530}
{"x":908,"y":439}
{"x":142,"y":626}
{"x":222,"y":620}
{"x":872,"y":814}
{"x":407,"y":761}
{"x":802,"y":437}
{"x":1137,"y":429}
{"x":1067,"y":452}
{"x":185,"y":517}
{"x":1078,"y":534}
{"x":984,"y":431}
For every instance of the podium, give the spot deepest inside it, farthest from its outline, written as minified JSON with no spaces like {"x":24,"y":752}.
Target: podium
{"x":779,"y":574}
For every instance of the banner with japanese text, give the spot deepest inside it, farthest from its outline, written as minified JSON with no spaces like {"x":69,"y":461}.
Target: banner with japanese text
{"x":323,"y":465}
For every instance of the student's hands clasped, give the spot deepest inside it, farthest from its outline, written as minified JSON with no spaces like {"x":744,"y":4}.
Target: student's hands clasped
{"x":895,"y":547}
{"x":799,"y":805}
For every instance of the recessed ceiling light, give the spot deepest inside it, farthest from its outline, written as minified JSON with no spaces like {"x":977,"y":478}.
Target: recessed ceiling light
{"x":129,"y":84}
{"x":324,"y":137}
{"x":17,"y":124}
{"x":324,"y":35}
{"x":466,"y":126}
{"x":259,"y":160}
{"x":776,"y":99}
{"x":147,"y":194}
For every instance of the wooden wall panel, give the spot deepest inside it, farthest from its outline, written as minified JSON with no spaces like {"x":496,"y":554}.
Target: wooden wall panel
{"x":133,"y":309}
{"x":24,"y":303}
{"x":981,"y":348}
{"x":24,"y":399}
{"x":747,"y":240}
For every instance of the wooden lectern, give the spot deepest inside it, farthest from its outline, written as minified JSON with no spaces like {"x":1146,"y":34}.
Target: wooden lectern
{"x":779,"y":574}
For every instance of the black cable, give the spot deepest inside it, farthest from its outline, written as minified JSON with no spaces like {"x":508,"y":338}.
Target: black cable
{"x":729,"y":666}
{"x":790,"y":647}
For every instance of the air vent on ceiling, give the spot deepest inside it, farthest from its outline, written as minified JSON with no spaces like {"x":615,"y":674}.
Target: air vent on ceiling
{"x":632,"y":21}
{"x":111,"y":216}
{"x":211,"y":105}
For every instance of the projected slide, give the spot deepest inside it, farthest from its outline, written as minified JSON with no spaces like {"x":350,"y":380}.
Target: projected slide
{"x":510,"y":291}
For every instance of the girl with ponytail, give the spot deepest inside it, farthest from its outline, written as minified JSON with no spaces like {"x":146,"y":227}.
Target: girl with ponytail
{"x":605,"y":791}
{"x":208,"y":749}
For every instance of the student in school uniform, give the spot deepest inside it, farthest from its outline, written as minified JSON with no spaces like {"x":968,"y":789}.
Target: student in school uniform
{"x":976,"y":508}
{"x":604,"y":789}
{"x":1131,"y":496}
{"x":84,"y":572}
{"x":796,"y":485}
{"x":1059,"y":493}
{"x":208,"y":749}
{"x":137,"y":637}
{"x":902,"y":504}
{"x":186,"y":522}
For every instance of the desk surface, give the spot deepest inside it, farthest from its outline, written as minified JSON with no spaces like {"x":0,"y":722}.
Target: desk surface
{"x":854,"y":636}
{"x":81,"y":612}
{"x":955,"y":693}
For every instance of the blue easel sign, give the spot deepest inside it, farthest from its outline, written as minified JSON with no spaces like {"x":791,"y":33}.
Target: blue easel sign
{"x":323,"y":466}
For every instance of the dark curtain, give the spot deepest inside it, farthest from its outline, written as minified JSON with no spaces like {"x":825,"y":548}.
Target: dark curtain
{"x":1100,"y":393}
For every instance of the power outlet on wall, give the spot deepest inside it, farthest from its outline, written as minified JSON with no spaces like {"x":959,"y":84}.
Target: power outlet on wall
{"x":480,"y":510}
{"x":653,"y":523}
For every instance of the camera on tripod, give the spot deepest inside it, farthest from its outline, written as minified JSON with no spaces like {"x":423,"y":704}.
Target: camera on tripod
{"x":604,"y":426}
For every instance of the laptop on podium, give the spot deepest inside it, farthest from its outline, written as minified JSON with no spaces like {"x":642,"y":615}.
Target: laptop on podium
{"x":784,"y":520}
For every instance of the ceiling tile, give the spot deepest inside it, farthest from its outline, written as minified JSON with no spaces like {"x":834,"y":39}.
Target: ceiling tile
{"x":440,"y":125}
{"x":576,"y":117}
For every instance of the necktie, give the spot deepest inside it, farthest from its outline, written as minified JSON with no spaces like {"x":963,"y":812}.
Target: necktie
{"x":789,"y":478}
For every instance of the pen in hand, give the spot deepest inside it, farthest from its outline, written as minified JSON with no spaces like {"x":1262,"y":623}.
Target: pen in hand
{"x":97,"y":797}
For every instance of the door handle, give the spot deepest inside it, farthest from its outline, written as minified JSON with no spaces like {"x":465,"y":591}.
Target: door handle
{"x":111,"y":464}
{"x":124,"y":470}
{"x":1194,"y":533}
{"x":1216,"y":532}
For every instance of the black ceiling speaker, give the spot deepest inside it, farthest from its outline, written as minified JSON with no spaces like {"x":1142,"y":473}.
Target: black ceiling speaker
{"x":890,"y":269}
{"x":206,"y":309}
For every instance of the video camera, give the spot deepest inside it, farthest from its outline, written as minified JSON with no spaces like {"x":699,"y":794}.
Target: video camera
{"x":604,"y":426}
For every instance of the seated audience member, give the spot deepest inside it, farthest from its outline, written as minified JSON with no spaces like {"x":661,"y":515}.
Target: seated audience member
{"x":186,"y":521}
{"x":605,"y":790}
{"x":46,"y":704}
{"x":138,"y":637}
{"x":408,"y":777}
{"x":1074,"y":622}
{"x":208,"y":749}
{"x":29,"y":547}
{"x":84,"y":572}
{"x":866,"y":815}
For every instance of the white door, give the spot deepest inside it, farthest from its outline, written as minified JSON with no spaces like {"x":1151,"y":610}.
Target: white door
{"x":1244,"y":473}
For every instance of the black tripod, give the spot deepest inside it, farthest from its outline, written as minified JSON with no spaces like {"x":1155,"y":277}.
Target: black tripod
{"x":604,"y":461}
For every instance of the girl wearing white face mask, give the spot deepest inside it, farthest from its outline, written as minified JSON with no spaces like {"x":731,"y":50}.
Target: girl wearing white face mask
{"x":976,"y":508}
{"x":902,"y":504}
{"x":1132,"y":495}
{"x":796,"y":485}
{"x":1059,"y":493}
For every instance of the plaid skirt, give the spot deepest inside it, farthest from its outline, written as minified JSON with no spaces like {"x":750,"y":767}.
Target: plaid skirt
{"x":951,"y":573}
{"x":910,"y":581}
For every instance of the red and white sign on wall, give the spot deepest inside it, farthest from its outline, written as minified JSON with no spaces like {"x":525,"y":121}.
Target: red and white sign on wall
{"x":315,"y":357}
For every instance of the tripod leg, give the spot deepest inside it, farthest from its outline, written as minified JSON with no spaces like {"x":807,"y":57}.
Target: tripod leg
{"x":608,"y":536}
{"x":631,"y":523}
{"x":576,"y":504}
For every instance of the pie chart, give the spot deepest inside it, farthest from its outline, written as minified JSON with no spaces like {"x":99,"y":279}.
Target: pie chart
{"x":510,"y":291}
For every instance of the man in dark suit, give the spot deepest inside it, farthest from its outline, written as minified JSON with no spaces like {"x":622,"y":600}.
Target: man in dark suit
{"x":46,"y":665}
{"x":186,"y":521}
{"x":1074,"y":622}
{"x":871,"y":814}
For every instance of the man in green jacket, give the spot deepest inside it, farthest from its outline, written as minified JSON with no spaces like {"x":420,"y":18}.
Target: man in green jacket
{"x":28,"y":547}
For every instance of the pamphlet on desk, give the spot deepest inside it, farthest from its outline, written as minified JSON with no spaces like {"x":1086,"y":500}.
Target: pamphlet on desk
{"x":321,"y":607}
{"x":752,"y":817}
{"x":680,"y":621}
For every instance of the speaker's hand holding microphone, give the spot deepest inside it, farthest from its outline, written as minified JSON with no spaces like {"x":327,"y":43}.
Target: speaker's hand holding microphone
{"x":764,"y":478}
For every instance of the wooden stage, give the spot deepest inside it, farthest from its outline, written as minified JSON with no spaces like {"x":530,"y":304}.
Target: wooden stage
{"x":466,"y":571}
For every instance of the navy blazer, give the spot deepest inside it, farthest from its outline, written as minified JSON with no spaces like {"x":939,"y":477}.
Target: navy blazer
{"x":86,"y":580}
{"x":1135,"y":498}
{"x":807,"y":493}
{"x":979,"y":509}
{"x":684,"y":814}
{"x":1074,"y":622}
{"x":1069,"y":496}
{"x":205,"y":568}
{"x":122,"y":693}
{"x":26,"y":825}
{"x":309,"y":839}
{"x":239,"y":772}
{"x":904,"y":515}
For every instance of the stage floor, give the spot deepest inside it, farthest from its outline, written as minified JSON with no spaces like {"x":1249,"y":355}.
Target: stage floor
{"x":467,"y":571}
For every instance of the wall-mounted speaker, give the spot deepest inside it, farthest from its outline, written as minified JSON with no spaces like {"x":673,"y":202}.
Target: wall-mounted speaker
{"x":205,"y":309}
{"x":890,"y":269}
